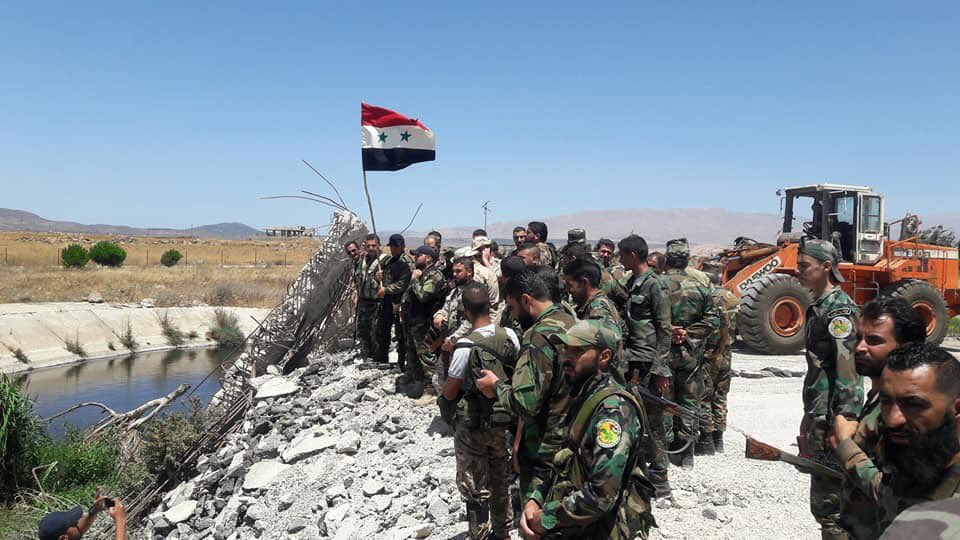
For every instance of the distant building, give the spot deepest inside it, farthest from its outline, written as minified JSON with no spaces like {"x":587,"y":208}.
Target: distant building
{"x":291,"y":232}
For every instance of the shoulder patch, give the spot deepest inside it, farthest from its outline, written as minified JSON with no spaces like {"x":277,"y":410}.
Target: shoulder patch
{"x":840,"y":312}
{"x":608,"y":433}
{"x":840,"y":327}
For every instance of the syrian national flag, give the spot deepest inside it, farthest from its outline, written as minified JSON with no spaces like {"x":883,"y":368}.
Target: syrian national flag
{"x":392,"y":141}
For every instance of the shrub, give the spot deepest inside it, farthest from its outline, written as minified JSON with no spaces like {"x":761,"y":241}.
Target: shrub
{"x":21,"y":436}
{"x":225,"y":329}
{"x":73,"y":346}
{"x":953,"y":326}
{"x":173,"y":334}
{"x":75,"y":256}
{"x":107,"y":254}
{"x":127,"y":339}
{"x":170,"y":257}
{"x":167,"y":438}
{"x":73,"y":461}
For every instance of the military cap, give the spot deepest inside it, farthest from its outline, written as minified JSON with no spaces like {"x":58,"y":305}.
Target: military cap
{"x":576,"y":236}
{"x":479,"y":243}
{"x":678,"y":246}
{"x":396,"y":240}
{"x":55,"y":524}
{"x":590,"y":333}
{"x":465,"y":251}
{"x":823,"y":251}
{"x":426,"y":250}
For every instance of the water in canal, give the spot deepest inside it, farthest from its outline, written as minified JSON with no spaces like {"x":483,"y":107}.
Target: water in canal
{"x":122,"y":383}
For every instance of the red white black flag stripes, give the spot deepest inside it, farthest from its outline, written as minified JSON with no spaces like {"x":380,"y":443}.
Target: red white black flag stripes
{"x":392,"y":141}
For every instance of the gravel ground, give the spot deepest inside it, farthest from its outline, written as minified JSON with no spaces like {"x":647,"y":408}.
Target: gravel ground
{"x":355,"y":460}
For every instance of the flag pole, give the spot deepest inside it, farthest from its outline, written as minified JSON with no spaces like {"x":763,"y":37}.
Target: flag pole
{"x":366,"y":190}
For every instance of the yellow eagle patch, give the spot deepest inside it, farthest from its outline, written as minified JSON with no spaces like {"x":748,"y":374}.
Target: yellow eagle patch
{"x":608,"y":433}
{"x":841,"y":327}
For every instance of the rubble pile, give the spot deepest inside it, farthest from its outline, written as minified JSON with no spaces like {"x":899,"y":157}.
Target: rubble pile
{"x":328,"y":451}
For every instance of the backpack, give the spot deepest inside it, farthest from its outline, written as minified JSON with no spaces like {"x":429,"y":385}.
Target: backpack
{"x":632,"y":513}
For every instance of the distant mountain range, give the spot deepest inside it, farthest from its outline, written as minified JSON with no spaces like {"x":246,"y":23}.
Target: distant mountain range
{"x":19,"y":220}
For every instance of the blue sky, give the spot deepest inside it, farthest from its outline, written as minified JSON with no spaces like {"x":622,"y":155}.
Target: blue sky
{"x":180,"y":113}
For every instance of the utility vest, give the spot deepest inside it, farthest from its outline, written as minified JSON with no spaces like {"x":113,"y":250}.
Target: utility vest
{"x":495,"y":353}
{"x":632,"y":513}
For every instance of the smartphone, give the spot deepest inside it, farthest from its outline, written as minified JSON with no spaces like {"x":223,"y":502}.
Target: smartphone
{"x":109,"y":503}
{"x":476,"y":373}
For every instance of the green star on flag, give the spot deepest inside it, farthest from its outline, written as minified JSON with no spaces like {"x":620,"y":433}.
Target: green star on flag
{"x":382,"y":136}
{"x":405,"y":136}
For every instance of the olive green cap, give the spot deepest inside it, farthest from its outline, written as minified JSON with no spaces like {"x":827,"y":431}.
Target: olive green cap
{"x":678,"y":246}
{"x":590,"y":333}
{"x":576,"y":236}
{"x":823,"y":251}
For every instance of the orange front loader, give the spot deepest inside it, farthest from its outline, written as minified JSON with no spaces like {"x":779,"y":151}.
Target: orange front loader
{"x":774,"y":303}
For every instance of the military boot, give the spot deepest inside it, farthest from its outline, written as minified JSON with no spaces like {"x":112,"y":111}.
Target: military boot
{"x":478,"y":520}
{"x":718,"y":441}
{"x":704,"y":446}
{"x":686,"y":460}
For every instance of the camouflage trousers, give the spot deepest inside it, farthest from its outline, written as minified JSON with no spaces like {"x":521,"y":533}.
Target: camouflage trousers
{"x":367,"y":311}
{"x":686,"y":390}
{"x":825,"y":506}
{"x":483,"y":478}
{"x":420,"y":362}
{"x":386,"y":322}
{"x":716,"y":380}
{"x":654,"y":445}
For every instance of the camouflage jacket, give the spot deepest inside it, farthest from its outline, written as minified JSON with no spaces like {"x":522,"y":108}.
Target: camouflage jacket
{"x":456,"y":326}
{"x":699,"y":275}
{"x":538,"y":392}
{"x":396,"y":275}
{"x":600,"y":307}
{"x":549,"y":255}
{"x":692,"y":308}
{"x":424,"y":297}
{"x":892,"y":504}
{"x":364,"y":276}
{"x":729,"y":306}
{"x":647,"y":318}
{"x":832,"y":385}
{"x":860,"y":512}
{"x":614,"y":290}
{"x":610,"y":440}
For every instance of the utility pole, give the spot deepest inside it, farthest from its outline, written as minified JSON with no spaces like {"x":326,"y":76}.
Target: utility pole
{"x":486,"y":210}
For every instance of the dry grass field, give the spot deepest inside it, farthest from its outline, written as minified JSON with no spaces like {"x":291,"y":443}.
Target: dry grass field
{"x":254,"y":273}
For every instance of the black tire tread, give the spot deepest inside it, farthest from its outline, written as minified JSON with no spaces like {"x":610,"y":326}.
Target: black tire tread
{"x":752,"y":318}
{"x":915,"y":289}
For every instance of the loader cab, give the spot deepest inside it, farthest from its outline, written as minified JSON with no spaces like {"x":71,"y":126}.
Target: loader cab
{"x":851,"y":217}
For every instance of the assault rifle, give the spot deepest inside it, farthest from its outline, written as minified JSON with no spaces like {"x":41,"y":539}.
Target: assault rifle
{"x":669,"y":407}
{"x":765,"y":452}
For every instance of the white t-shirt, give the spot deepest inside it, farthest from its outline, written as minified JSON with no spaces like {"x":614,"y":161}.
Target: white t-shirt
{"x":461,"y":356}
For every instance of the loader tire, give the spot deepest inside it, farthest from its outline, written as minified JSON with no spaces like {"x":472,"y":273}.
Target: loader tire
{"x":772,"y":315}
{"x":926,"y":299}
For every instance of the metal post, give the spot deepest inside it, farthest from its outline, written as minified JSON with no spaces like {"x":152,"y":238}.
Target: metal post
{"x":221,"y":258}
{"x":373,"y":222}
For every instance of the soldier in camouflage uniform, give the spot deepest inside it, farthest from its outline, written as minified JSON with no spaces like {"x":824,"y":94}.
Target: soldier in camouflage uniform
{"x":919,"y":454}
{"x":537,"y":234}
{"x":886,"y":324}
{"x":717,"y":372}
{"x":694,"y":316}
{"x":596,"y":490}
{"x":605,"y":254}
{"x":647,"y":348}
{"x":537,"y":394}
{"x":395,"y":277}
{"x":480,"y":423}
{"x":450,"y":322}
{"x":832,"y":385}
{"x":423,"y":297}
{"x":368,"y":299}
{"x":582,"y":279}
{"x":610,"y":286}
